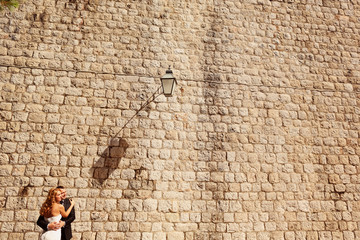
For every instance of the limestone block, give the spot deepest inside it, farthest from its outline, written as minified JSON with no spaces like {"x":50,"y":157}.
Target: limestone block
{"x":6,"y":216}
{"x":156,"y":143}
{"x":154,"y":175}
{"x":42,"y":171}
{"x":66,"y":182}
{"x":24,"y":226}
{"x":115,"y":216}
{"x":123,"y":226}
{"x":81,"y":226}
{"x":188,"y":176}
{"x":36,"y":181}
{"x":160,"y":235}
{"x":73,"y":173}
{"x":85,"y":235}
{"x":5,"y":170}
{"x":203,"y":176}
{"x":146,"y":236}
{"x":164,"y":206}
{"x":31,"y":235}
{"x":176,"y":235}
{"x":16,"y":202}
{"x":50,"y":108}
{"x":128,"y":216}
{"x":18,"y":170}
{"x":37,"y":117}
{"x":150,"y":205}
{"x":78,"y":150}
{"x":8,"y":147}
{"x":35,"y":147}
{"x":58,"y":171}
{"x":92,"y":121}
{"x":217,"y":176}
{"x":110,"y":205}
{"x":70,"y":129}
{"x":51,"y":149}
{"x":14,"y":236}
{"x":81,"y":183}
{"x":172,"y":195}
{"x":3,"y":51}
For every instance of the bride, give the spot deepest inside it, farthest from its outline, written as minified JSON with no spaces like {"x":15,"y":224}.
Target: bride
{"x":53,"y":211}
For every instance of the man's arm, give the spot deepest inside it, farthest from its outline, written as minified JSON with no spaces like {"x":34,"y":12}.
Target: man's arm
{"x":41,"y":222}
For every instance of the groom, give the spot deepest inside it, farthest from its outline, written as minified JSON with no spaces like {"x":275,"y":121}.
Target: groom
{"x":65,"y":223}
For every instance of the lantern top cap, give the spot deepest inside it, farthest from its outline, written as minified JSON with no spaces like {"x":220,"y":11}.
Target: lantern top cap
{"x":169,"y":70}
{"x":168,"y":74}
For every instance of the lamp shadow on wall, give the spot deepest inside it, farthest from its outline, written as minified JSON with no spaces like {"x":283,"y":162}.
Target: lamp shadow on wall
{"x":108,"y":161}
{"x":110,"y":158}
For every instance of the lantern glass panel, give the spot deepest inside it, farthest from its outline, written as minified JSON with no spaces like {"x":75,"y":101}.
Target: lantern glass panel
{"x":168,"y":86}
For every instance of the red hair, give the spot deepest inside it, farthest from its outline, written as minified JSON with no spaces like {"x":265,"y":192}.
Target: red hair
{"x":50,"y":200}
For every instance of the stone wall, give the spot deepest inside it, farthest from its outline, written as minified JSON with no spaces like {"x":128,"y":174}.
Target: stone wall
{"x":260,"y":140}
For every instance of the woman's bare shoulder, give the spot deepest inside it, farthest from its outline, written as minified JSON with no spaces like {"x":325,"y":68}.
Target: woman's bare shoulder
{"x":56,"y":209}
{"x":59,"y":206}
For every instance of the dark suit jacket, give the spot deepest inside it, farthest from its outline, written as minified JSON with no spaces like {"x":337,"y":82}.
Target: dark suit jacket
{"x":66,"y":232}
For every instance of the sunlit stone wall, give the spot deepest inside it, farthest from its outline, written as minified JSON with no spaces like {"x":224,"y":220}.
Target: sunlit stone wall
{"x":259,"y":141}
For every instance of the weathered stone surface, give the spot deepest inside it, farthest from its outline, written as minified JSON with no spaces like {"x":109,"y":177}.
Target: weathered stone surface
{"x":260,"y":140}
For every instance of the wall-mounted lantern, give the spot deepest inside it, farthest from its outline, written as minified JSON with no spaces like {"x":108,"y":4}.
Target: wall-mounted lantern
{"x":168,"y":83}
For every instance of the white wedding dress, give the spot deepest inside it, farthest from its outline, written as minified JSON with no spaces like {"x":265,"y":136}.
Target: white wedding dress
{"x":51,"y":234}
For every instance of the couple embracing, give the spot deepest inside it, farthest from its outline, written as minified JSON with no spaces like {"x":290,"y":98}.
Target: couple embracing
{"x":56,"y":215}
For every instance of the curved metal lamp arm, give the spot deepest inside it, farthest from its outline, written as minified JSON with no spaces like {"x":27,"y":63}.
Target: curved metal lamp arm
{"x":147,"y":102}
